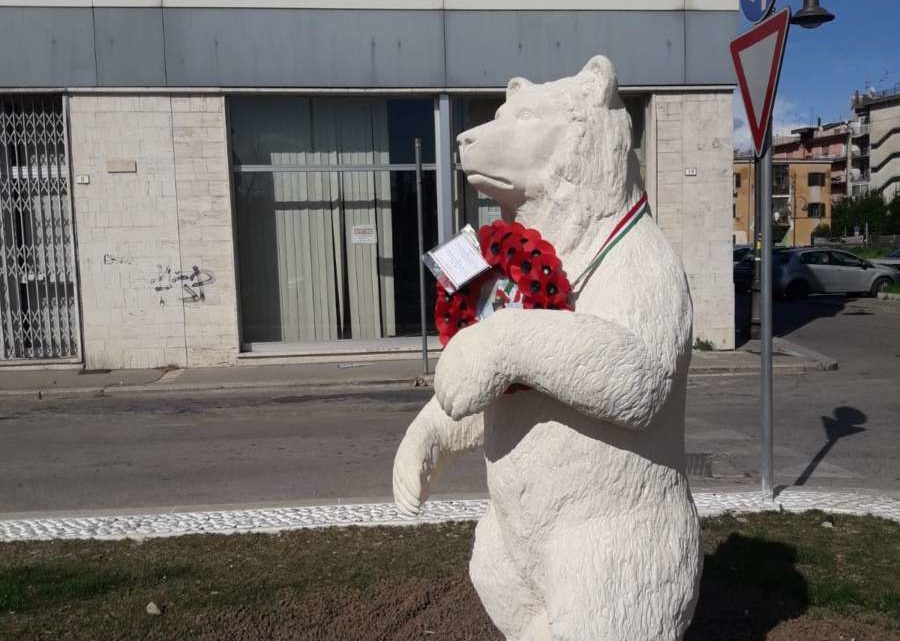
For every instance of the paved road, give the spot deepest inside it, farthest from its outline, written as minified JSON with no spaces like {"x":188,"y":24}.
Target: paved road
{"x":834,"y":429}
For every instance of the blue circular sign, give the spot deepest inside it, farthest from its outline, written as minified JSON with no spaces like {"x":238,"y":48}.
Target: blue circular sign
{"x":756,"y":10}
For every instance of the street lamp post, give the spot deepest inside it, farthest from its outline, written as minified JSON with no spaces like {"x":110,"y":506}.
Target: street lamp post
{"x":811,"y":15}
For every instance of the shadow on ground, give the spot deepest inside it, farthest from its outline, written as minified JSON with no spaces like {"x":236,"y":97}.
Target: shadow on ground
{"x":846,"y":422}
{"x":787,"y":316}
{"x":771,"y":590}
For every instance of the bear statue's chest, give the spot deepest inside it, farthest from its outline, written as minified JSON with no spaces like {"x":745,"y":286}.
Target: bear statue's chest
{"x":541,"y":455}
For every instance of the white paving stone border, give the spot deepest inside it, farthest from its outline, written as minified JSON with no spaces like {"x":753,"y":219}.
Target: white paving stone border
{"x":370,"y":514}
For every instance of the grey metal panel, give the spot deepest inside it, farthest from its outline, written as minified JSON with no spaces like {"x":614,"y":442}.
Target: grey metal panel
{"x":708,"y":35}
{"x":301,"y":48}
{"x":130,"y":49}
{"x":46,"y":47}
{"x":486,"y":48}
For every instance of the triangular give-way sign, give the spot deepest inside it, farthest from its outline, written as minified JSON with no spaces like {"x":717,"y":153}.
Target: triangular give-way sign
{"x":757,"y":57}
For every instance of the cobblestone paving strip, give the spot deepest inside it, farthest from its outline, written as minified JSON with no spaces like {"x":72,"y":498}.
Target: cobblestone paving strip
{"x":278,"y":519}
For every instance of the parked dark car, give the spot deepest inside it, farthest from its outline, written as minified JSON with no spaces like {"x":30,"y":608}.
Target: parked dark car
{"x":891,"y":260}
{"x":743,"y":268}
{"x":800,"y":272}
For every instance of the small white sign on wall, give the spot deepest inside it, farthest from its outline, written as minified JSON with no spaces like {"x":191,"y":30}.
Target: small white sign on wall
{"x":364,"y":235}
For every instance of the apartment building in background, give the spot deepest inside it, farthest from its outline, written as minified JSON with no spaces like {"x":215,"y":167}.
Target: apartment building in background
{"x":801,"y":200}
{"x":843,"y":144}
{"x":879,"y":115}
{"x":221,"y":182}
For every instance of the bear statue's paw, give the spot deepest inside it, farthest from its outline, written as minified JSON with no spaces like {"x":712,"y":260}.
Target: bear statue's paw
{"x":414,"y":464}
{"x":409,"y":495}
{"x":470,"y":373}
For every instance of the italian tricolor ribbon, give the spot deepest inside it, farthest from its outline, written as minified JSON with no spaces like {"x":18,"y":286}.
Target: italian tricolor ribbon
{"x":625,"y":225}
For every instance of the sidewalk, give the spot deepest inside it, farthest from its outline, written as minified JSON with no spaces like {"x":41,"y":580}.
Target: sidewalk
{"x":789,"y":358}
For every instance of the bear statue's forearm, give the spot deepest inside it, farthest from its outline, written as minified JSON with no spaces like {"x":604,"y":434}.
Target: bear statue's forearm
{"x":591,"y":364}
{"x":431,"y":443}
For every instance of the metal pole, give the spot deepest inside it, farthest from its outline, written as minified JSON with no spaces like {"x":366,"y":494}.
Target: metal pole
{"x":420,"y":220}
{"x":757,"y":226}
{"x":849,"y":160}
{"x":793,"y":184}
{"x":766,"y":418}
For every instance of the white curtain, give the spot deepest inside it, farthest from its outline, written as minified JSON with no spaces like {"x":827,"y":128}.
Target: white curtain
{"x":330,"y":285}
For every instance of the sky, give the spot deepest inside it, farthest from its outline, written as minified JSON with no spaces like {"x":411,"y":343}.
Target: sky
{"x":822,"y":67}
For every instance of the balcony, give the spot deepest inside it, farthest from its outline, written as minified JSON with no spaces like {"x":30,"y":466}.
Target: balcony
{"x":859,"y":129}
{"x":856,"y":176}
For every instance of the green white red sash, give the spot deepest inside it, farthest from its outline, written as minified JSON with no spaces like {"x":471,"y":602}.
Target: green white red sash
{"x":624,"y":226}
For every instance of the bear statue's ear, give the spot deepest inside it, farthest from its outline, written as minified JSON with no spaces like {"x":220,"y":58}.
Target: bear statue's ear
{"x":600,"y":74}
{"x":515,"y":84}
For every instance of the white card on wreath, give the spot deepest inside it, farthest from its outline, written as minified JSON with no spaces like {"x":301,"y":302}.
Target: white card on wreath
{"x":457,"y":261}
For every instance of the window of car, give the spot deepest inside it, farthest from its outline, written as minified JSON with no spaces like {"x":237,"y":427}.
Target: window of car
{"x":846,"y":260}
{"x":894,"y":254}
{"x":815,"y":258}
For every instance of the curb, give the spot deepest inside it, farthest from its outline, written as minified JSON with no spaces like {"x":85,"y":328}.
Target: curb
{"x":826,"y":363}
{"x":162,"y":388}
{"x":813,"y":362}
{"x":889,"y":296}
{"x":386,"y":514}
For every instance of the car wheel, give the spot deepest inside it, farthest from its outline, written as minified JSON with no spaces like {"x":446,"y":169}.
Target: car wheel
{"x":796,"y":290}
{"x":879,"y":286}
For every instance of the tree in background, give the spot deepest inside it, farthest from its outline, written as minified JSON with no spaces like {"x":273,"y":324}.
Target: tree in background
{"x":822,"y":230}
{"x":851,"y":213}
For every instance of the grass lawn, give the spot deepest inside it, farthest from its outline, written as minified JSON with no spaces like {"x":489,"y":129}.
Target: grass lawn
{"x":774,"y":577}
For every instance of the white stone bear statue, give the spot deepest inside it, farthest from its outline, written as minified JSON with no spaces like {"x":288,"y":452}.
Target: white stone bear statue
{"x":591,"y":533}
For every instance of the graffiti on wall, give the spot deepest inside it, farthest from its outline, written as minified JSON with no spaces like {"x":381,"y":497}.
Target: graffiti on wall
{"x":190,"y":285}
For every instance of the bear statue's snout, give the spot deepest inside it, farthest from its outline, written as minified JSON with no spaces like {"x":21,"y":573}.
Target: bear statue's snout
{"x":465,"y":139}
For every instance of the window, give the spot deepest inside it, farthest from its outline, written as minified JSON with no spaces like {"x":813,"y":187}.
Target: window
{"x":326,"y":253}
{"x":737,"y":181}
{"x":636,"y":105}
{"x":733,"y":210}
{"x":816,"y":179}
{"x":815,"y":258}
{"x":845,"y":260}
{"x":815,"y":210}
{"x":780,"y":180}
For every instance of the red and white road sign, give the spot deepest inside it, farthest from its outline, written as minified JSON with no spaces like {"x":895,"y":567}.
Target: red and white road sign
{"x":757,"y":57}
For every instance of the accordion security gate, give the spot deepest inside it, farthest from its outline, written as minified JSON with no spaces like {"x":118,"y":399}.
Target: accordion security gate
{"x":38,"y":285}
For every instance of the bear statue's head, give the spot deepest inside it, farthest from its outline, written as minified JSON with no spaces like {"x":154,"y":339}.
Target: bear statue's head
{"x":558,"y":155}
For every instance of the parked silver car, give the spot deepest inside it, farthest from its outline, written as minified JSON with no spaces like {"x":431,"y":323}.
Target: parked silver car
{"x":800,"y":272}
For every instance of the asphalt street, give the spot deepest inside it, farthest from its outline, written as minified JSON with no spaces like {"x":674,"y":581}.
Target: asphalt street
{"x":269,"y":447}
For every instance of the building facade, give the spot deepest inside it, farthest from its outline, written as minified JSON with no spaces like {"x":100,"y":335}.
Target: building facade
{"x":844,"y":144}
{"x":197,"y":184}
{"x":801,"y":200}
{"x":879,"y":116}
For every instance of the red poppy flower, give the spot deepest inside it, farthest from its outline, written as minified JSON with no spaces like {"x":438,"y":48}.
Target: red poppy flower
{"x":489,"y":238}
{"x":514,"y":252}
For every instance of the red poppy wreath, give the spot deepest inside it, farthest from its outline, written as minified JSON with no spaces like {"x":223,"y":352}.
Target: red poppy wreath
{"x":525,"y":272}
